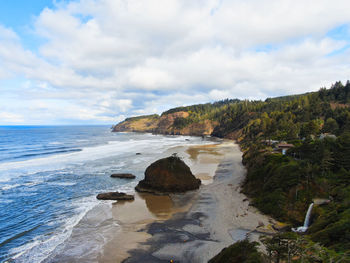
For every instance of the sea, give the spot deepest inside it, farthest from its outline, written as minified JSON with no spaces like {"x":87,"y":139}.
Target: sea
{"x":50,"y":176}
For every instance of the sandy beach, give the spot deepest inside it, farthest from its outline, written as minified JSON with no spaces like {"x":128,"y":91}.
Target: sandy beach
{"x":190,"y":227}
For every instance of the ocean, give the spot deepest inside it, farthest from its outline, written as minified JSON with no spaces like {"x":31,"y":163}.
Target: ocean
{"x":50,"y":175}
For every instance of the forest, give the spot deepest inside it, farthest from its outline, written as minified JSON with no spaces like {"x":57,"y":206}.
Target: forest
{"x":317,"y":167}
{"x":314,"y":167}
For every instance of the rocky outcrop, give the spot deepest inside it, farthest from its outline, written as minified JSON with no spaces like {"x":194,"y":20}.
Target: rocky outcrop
{"x":205,"y":127}
{"x":147,"y":123}
{"x":124,"y":176}
{"x":168,"y":175}
{"x":115,"y":196}
{"x":166,"y":121}
{"x":176,"y":123}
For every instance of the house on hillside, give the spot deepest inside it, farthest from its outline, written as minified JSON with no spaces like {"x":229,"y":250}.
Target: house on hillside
{"x":327,"y":135}
{"x":269,"y":142}
{"x":283,"y":147}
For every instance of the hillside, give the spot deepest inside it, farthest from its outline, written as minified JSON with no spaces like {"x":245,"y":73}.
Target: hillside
{"x":282,"y":182}
{"x":192,"y":120}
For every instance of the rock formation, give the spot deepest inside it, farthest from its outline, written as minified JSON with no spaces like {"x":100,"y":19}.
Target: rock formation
{"x":115,"y":196}
{"x":168,"y":175}
{"x":166,"y":124}
{"x":124,"y":176}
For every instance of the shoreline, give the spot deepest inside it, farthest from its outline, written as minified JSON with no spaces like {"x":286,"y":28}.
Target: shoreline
{"x":188,"y":227}
{"x":200,"y":223}
{"x":136,"y":216}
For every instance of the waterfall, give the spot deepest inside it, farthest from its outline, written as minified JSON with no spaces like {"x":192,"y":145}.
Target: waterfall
{"x":302,"y":229}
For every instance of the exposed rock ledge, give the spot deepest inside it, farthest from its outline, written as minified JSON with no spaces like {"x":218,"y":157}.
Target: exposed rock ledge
{"x":168,"y":175}
{"x":124,"y":176}
{"x":169,"y":123}
{"x":115,"y":196}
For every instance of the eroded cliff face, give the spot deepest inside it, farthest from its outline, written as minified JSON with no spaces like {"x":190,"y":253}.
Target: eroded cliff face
{"x":139,"y":124}
{"x":166,"y":122}
{"x":165,"y":125}
{"x":205,"y":127}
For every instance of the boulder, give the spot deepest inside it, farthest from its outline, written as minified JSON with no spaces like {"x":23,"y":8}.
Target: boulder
{"x":114,"y":196}
{"x":168,"y":175}
{"x":279,"y":226}
{"x":123,"y":175}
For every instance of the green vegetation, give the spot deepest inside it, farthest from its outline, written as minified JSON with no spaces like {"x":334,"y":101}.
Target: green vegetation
{"x":290,"y":247}
{"x":152,"y":116}
{"x":240,"y":252}
{"x":316,"y":126}
{"x":318,"y":166}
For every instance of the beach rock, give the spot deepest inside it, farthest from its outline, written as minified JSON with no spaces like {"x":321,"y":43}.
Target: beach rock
{"x":124,"y":175}
{"x":168,"y":175}
{"x":114,"y":196}
{"x":321,"y":201}
{"x":260,"y":224}
{"x":279,"y":226}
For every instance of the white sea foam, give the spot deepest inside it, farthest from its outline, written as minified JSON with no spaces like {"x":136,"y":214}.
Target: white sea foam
{"x":11,"y":186}
{"x":8,"y":186}
{"x":55,"y":143}
{"x":112,"y":148}
{"x":5,"y":201}
{"x":40,"y":248}
{"x":43,"y":246}
{"x":62,"y":183}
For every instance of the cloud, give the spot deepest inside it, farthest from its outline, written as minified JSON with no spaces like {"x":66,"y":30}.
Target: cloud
{"x":8,"y":117}
{"x":102,"y":59}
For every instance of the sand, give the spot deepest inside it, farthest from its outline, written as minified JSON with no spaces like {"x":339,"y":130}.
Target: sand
{"x":191,"y":227}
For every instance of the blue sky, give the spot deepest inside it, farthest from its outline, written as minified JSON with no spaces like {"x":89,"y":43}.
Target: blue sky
{"x":99,"y":61}
{"x":19,"y":13}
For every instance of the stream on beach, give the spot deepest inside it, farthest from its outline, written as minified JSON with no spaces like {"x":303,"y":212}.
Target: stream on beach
{"x":49,"y":178}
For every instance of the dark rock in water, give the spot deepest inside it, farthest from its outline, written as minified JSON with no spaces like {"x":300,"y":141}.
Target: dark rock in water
{"x":125,"y":176}
{"x":114,"y":196}
{"x":138,"y":153}
{"x":168,"y":175}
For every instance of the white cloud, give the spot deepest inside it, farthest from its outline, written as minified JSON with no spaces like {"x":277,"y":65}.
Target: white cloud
{"x":101,"y":59}
{"x":10,"y":118}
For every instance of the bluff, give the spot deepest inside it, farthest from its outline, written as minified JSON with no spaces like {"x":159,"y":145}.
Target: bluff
{"x":147,"y":123}
{"x":175,"y":123}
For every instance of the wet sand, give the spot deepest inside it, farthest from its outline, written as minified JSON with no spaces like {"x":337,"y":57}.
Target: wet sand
{"x":190,"y":227}
{"x":136,"y":216}
{"x":218,"y":213}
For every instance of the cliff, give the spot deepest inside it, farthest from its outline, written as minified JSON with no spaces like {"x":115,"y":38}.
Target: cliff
{"x":147,"y":123}
{"x":176,"y":123}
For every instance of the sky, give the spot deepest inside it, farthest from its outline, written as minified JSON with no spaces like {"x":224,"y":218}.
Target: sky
{"x":99,"y":61}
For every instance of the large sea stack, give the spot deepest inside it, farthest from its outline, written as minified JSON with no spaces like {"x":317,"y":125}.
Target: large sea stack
{"x":168,"y":175}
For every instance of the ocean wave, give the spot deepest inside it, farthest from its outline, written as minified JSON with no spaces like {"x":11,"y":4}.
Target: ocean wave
{"x":5,"y":201}
{"x":8,"y":186}
{"x":46,"y":153}
{"x":113,"y":148}
{"x":11,"y":186}
{"x":42,"y":246}
{"x":62,"y":183}
{"x":55,"y":143}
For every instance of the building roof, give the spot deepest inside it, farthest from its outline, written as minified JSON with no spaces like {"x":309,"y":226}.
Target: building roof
{"x":285,"y":145}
